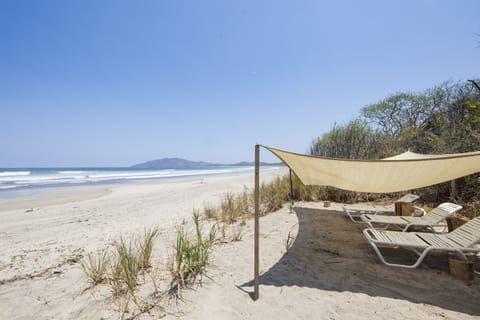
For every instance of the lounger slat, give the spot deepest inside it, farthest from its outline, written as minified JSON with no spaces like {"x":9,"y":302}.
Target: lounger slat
{"x":385,"y":219}
{"x":406,"y":239}
{"x":462,"y":238}
{"x":379,"y":236}
{"x":471,"y":229}
{"x":397,"y":238}
{"x":437,"y":240}
{"x":436,"y":215}
{"x":467,"y":231}
{"x":432,"y":218}
{"x":459,"y":240}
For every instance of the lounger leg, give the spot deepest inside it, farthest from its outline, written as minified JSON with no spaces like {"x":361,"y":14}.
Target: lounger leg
{"x":347,"y":212}
{"x":422,"y":255}
{"x":461,"y":255}
{"x":414,"y":265}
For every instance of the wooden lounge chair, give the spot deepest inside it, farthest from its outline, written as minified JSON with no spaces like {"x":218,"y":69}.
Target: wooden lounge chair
{"x":459,"y":241}
{"x":432,"y":219}
{"x":355,"y":213}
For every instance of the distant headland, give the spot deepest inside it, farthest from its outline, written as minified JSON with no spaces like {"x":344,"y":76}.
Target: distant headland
{"x":173,"y":163}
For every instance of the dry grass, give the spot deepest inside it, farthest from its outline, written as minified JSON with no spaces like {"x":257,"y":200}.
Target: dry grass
{"x":233,"y":207}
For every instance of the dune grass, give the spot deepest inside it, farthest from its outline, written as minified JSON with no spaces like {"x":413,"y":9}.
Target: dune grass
{"x":238,"y":233}
{"x":234,"y":207}
{"x":128,"y":263}
{"x":192,"y":253}
{"x":145,"y":247}
{"x":121,"y":268}
{"x":95,"y":267}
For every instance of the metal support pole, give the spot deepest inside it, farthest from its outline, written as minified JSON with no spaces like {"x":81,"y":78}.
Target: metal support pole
{"x":256,"y":276}
{"x":291,"y":186}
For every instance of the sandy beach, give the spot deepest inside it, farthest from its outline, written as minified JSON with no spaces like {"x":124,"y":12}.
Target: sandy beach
{"x":330,"y":271}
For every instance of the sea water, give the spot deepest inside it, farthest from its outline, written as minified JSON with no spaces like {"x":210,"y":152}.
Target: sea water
{"x":24,"y":181}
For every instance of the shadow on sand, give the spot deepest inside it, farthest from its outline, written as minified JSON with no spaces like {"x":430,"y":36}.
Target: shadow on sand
{"x":331,"y":254}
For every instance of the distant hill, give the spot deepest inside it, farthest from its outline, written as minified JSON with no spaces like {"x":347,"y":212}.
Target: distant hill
{"x":173,"y":163}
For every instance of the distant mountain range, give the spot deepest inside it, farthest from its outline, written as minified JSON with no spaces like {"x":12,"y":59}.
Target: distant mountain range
{"x":173,"y":163}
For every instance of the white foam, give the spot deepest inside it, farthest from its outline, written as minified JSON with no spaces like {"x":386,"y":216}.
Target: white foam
{"x":21,"y":179}
{"x":70,"y":172}
{"x":8,"y":187}
{"x":14,"y":173}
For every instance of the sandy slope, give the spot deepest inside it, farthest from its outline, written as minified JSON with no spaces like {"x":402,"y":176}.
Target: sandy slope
{"x":330,"y":272}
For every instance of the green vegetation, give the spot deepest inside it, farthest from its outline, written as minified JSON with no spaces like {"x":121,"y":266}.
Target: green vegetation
{"x":237,"y":233}
{"x":145,"y":247}
{"x":121,"y":268}
{"x":290,"y":238}
{"x":191,"y":254}
{"x":127,"y":264}
{"x":234,"y":208}
{"x":95,"y":267}
{"x":443,"y":119}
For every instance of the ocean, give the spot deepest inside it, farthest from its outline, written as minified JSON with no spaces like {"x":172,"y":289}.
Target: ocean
{"x":25,"y":181}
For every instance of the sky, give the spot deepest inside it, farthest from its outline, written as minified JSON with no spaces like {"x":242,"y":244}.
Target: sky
{"x":115,"y":83}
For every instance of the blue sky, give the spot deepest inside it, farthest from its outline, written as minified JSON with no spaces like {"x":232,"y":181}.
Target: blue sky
{"x":114,"y":83}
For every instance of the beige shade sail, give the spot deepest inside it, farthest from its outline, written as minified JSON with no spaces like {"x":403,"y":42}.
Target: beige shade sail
{"x":403,"y":172}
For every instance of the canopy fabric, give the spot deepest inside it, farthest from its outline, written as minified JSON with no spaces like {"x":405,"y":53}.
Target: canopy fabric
{"x":403,"y":172}
{"x":408,"y":155}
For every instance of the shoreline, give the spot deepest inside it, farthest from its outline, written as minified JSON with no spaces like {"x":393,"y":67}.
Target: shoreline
{"x":50,"y":195}
{"x":15,"y":183}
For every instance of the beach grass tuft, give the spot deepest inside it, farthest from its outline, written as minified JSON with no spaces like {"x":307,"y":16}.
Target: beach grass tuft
{"x":228,"y":208}
{"x":145,"y":247}
{"x":238,"y":233}
{"x":289,"y":241}
{"x":128,"y":263}
{"x":115,"y":278}
{"x":191,"y":253}
{"x":95,"y":267}
{"x":210,"y":212}
{"x":122,"y":267}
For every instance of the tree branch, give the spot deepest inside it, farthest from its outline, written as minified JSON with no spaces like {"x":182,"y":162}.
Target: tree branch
{"x":475,"y":84}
